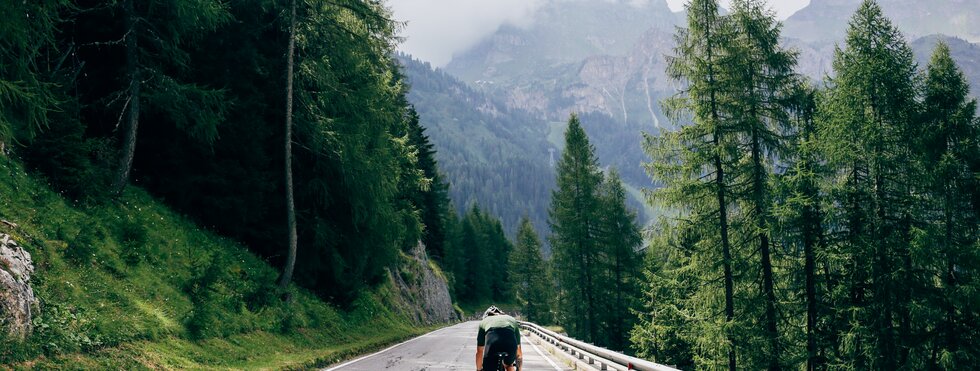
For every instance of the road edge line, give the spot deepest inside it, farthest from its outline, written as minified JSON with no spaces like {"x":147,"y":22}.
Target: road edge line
{"x":383,"y":350}
{"x":546,"y":358}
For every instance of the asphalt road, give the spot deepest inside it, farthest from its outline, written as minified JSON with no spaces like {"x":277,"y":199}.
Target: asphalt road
{"x":450,"y":348}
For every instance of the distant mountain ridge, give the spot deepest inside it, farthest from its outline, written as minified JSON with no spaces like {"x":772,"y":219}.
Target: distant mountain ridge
{"x":826,"y":20}
{"x":966,"y":55}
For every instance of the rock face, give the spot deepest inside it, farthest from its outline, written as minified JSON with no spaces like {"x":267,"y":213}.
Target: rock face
{"x":17,"y":299}
{"x":425,"y":291}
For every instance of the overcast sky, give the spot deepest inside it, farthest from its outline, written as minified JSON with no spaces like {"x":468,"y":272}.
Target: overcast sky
{"x":436,"y":29}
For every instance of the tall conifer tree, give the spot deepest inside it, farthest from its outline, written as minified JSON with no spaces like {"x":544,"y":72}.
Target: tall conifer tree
{"x":951,"y":143}
{"x":618,"y":235}
{"x":287,"y":271}
{"x":155,"y":42}
{"x":800,"y":216}
{"x":25,"y":95}
{"x":529,"y":272}
{"x":693,"y":164}
{"x":869,"y":137}
{"x":759,"y":74}
{"x":574,"y":220}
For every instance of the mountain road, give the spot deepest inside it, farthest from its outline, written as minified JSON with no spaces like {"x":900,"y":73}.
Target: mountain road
{"x":449,"y":348}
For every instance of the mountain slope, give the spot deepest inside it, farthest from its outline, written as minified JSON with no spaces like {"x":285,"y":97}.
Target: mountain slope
{"x":491,"y":154}
{"x":134,"y":285}
{"x":562,"y":32}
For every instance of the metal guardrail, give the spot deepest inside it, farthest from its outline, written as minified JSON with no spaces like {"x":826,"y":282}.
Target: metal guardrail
{"x":601,"y":357}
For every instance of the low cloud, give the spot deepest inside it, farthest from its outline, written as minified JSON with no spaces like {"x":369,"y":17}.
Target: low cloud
{"x":436,"y":29}
{"x":784,"y":8}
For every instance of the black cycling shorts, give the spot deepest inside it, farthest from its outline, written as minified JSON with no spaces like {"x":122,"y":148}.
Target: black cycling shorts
{"x":499,"y":340}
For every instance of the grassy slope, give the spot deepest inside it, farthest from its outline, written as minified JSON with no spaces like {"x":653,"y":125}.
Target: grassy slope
{"x":102,"y":310}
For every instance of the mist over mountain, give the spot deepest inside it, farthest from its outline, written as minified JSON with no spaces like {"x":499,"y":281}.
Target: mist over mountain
{"x":562,"y":32}
{"x":602,"y":59}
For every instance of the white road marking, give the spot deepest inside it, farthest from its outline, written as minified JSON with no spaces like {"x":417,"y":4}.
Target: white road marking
{"x":546,"y":358}
{"x":385,"y":350}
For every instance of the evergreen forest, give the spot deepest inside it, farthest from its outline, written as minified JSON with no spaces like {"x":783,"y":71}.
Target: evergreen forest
{"x":827,"y":225}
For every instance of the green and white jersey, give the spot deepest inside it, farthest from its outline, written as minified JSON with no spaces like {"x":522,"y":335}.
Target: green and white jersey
{"x":498,"y":321}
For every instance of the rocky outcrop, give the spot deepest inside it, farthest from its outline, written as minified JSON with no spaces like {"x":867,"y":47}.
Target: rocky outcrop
{"x":424,"y":290}
{"x":17,"y":301}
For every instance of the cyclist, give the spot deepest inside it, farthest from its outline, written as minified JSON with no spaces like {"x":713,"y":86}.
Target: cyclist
{"x":499,"y":333}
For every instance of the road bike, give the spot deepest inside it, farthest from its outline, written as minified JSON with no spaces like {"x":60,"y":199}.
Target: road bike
{"x":501,"y":356}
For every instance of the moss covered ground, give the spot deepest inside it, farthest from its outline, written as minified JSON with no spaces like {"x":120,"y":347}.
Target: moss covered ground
{"x":130,"y":284}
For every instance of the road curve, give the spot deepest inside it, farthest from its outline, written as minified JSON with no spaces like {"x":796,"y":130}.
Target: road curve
{"x":450,"y":348}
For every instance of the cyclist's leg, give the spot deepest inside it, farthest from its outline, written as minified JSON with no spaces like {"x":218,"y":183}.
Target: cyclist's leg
{"x":508,"y":344}
{"x":491,"y":361}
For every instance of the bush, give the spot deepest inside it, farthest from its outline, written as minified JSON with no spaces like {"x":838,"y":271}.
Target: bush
{"x":218,"y":291}
{"x":82,"y":249}
{"x":133,"y":242}
{"x":78,"y":167}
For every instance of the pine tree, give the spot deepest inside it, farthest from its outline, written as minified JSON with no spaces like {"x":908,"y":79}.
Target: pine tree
{"x":453,"y":262}
{"x":869,"y":138}
{"x":26,"y":96}
{"x":800,"y":216}
{"x":476,"y":285}
{"x":529,"y":273}
{"x":666,"y":331}
{"x":952,"y":136}
{"x":574,"y":221}
{"x":433,"y":201}
{"x":618,"y":236}
{"x":155,"y":41}
{"x":692,"y":164}
{"x":500,"y":249}
{"x":759,"y":73}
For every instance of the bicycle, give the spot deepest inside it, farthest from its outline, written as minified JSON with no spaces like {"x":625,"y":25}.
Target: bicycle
{"x":501,"y":356}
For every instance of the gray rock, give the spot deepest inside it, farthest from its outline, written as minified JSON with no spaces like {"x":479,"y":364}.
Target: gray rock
{"x":17,"y":300}
{"x":424,"y":293}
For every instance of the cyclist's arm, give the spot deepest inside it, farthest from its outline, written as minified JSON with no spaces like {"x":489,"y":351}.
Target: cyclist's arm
{"x":480,"y":342}
{"x":479,"y":358}
{"x":520,"y":357}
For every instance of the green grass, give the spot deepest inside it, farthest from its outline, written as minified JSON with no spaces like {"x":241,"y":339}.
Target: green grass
{"x":131,"y":284}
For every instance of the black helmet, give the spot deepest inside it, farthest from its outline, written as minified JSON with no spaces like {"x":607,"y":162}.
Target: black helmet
{"x":493,"y":310}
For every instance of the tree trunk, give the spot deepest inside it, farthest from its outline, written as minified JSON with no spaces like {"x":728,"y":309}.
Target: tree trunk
{"x":812,"y":360}
{"x":287,"y":272}
{"x":722,"y":207}
{"x":726,"y":257}
{"x":881,"y":269}
{"x":812,"y":228}
{"x":133,"y":117}
{"x":762,"y":222}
